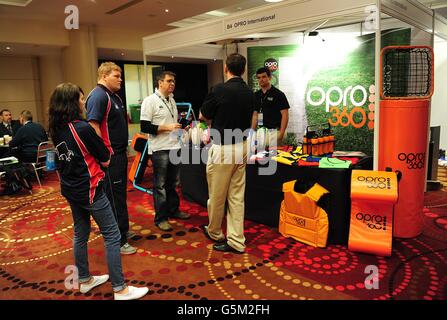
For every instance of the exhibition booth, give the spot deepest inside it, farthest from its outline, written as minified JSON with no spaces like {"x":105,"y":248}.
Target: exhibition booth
{"x":326,"y":56}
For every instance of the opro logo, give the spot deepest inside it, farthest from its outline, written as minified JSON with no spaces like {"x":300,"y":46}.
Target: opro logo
{"x":300,"y":222}
{"x":375,"y":182}
{"x":271,"y":64}
{"x":373,"y":221}
{"x":341,"y":96}
{"x":413,"y":160}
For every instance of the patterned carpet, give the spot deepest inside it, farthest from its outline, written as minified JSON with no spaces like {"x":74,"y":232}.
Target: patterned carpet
{"x":36,"y":234}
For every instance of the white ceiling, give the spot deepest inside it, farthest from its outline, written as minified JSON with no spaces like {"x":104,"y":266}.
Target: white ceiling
{"x":142,"y":16}
{"x":147,"y":15}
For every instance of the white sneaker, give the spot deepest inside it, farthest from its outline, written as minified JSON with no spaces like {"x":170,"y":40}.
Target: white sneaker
{"x":97,"y":281}
{"x":133,"y":294}
{"x":127,"y":249}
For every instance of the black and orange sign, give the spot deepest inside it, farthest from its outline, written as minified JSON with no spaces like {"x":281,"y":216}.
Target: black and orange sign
{"x":373,"y":194}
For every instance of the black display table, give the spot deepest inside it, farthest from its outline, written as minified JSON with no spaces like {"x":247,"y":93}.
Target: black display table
{"x":263,"y":193}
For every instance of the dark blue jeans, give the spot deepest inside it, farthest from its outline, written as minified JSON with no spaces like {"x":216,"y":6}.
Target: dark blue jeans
{"x":102,"y":213}
{"x":116,"y":191}
{"x":166,"y":199}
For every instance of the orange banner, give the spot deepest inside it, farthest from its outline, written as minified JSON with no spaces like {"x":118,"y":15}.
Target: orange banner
{"x":373,"y":194}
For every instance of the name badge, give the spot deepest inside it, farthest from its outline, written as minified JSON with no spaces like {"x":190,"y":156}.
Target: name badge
{"x":270,"y":98}
{"x":260,"y":119}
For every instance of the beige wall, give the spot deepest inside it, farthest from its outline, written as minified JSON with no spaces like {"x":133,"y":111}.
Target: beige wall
{"x":439,"y":100}
{"x":215,"y":73}
{"x":80,"y":59}
{"x":50,"y":68}
{"x":20,"y":86}
{"x":34,"y":32}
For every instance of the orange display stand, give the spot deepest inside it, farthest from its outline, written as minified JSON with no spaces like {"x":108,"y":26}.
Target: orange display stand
{"x":403,"y":146}
{"x":373,"y":194}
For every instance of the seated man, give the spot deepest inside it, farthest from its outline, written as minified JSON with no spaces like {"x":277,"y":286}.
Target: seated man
{"x":24,"y":144}
{"x":8,"y":126}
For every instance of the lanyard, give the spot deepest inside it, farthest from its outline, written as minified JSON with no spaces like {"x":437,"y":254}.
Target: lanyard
{"x":263,"y":97}
{"x":167,"y":106}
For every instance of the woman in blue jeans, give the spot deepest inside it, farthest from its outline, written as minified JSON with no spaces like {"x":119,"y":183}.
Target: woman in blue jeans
{"x":81,"y":156}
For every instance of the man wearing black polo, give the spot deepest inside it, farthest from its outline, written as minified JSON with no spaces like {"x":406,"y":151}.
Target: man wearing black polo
{"x":229,"y":107}
{"x":107,"y":114}
{"x":272,"y":107}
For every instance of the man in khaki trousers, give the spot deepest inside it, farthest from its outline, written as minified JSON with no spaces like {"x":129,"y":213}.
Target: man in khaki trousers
{"x":229,"y":107}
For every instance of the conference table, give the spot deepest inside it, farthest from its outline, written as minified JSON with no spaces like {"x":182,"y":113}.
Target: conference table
{"x":263,"y":193}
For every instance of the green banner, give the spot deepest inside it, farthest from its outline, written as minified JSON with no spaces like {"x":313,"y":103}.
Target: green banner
{"x":328,"y":81}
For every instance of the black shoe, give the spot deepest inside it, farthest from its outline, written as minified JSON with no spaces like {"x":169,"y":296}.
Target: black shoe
{"x":205,"y":232}
{"x":181,"y":215}
{"x":225,"y":247}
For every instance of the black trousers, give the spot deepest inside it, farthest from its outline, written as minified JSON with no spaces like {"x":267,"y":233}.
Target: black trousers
{"x":116,"y":191}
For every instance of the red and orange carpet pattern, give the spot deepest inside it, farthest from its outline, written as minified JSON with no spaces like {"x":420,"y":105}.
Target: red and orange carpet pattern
{"x":36,"y":234}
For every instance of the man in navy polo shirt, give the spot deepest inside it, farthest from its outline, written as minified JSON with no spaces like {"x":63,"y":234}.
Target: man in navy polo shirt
{"x":108,"y":116}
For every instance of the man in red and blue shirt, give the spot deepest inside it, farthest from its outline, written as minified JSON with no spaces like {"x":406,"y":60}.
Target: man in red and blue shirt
{"x":107,"y":114}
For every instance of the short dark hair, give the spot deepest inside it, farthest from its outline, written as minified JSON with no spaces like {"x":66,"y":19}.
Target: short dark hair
{"x":163,"y":75}
{"x":27,"y":115}
{"x":264,"y":70}
{"x":4,"y":110}
{"x":236,"y":64}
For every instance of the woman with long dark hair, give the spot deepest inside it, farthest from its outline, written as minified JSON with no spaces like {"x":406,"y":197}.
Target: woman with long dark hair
{"x":81,"y":154}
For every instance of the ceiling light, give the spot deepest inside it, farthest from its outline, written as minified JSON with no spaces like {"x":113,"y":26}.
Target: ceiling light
{"x":8,"y":48}
{"x":172,"y":57}
{"x":122,"y":53}
{"x":166,"y":10}
{"x":217,"y":13}
{"x":18,"y":3}
{"x":272,"y":0}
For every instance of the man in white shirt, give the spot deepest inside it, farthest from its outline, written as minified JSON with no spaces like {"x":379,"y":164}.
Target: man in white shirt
{"x":159,"y":118}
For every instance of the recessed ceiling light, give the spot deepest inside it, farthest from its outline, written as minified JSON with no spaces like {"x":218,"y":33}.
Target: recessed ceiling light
{"x":8,"y":48}
{"x":172,"y":57}
{"x":122,"y":53}
{"x":166,"y":10}
{"x":19,"y":3}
